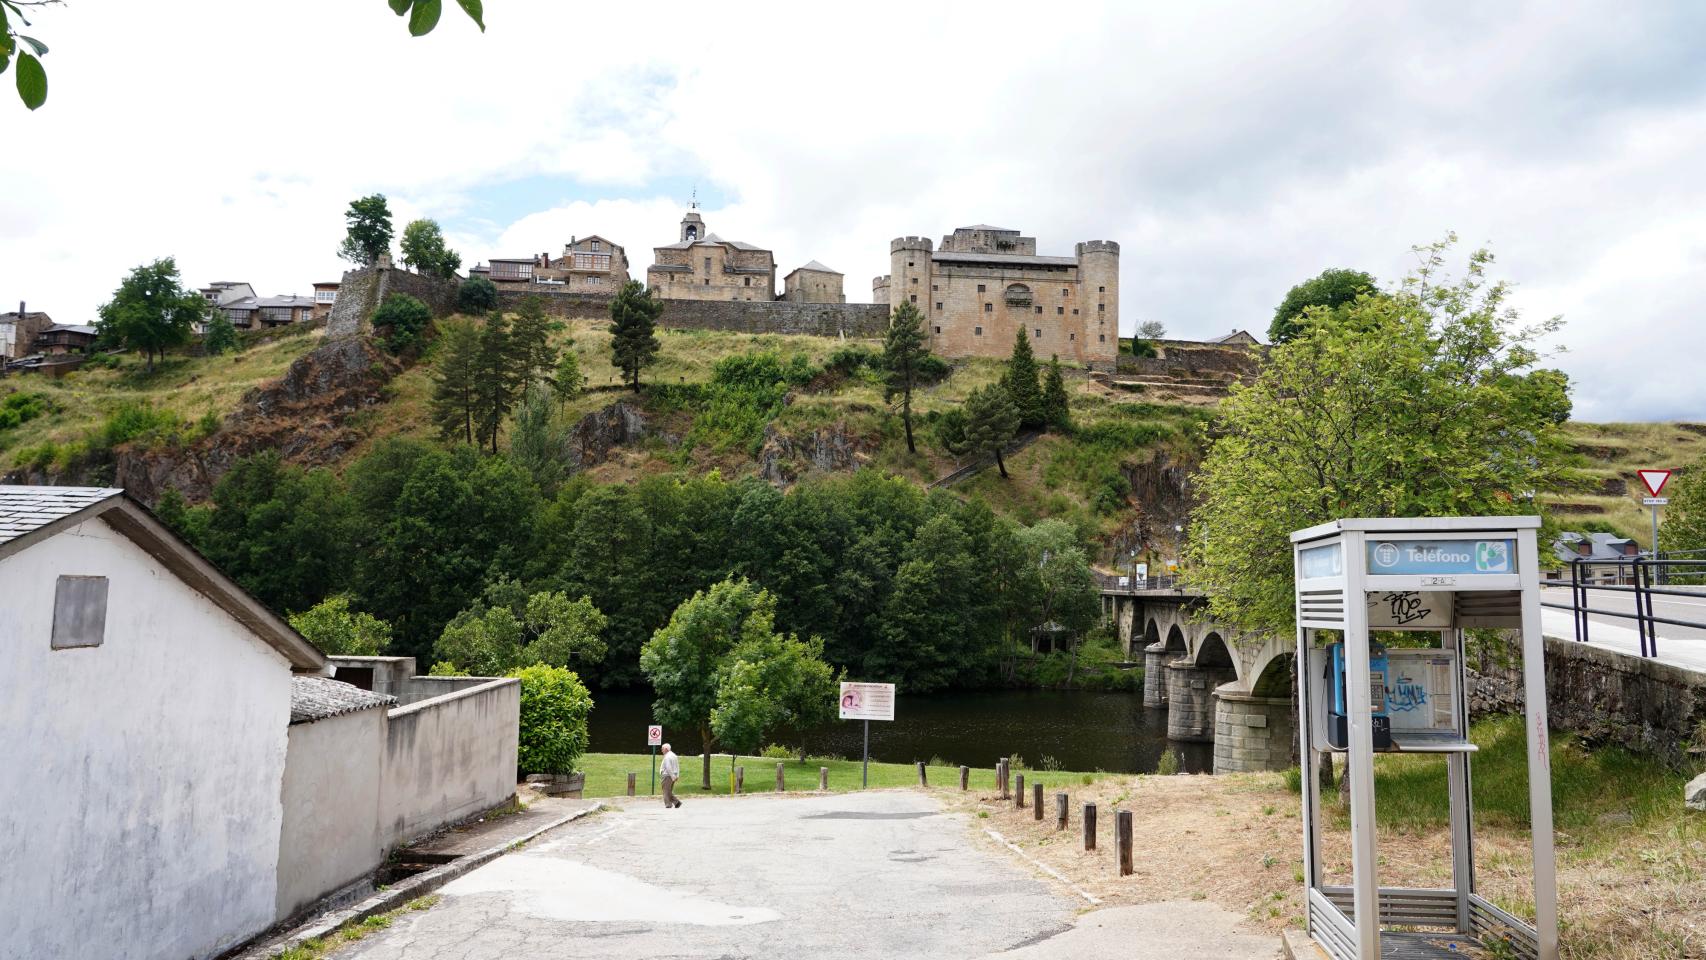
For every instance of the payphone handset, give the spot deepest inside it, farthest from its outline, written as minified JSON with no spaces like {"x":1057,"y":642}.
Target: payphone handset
{"x":1338,"y":733}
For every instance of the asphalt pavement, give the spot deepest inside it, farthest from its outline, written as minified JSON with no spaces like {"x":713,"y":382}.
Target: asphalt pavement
{"x":878,"y":874}
{"x":1682,"y":646}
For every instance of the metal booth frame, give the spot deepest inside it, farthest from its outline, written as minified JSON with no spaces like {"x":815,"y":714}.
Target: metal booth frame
{"x":1338,"y":566}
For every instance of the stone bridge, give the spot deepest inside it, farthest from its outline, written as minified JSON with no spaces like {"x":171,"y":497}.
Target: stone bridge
{"x":1235,"y":692}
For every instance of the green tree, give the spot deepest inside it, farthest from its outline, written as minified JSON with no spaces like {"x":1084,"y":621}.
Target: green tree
{"x":151,"y":311}
{"x":368,"y":236}
{"x":1416,"y":403}
{"x":1684,"y":526}
{"x":768,"y":681}
{"x":455,"y":379}
{"x":530,"y":342}
{"x":1152,"y":330}
{"x":282,"y":532}
{"x":424,"y":250}
{"x":567,"y":381}
{"x":633,"y":331}
{"x":903,"y":347}
{"x":218,"y":335}
{"x":339,"y":631}
{"x":555,"y":706}
{"x":477,"y":295}
{"x":991,"y":422}
{"x":405,"y":321}
{"x":683,"y":658}
{"x":1068,"y":599}
{"x":538,"y":444}
{"x":1020,"y":381}
{"x":926,"y":629}
{"x":1057,"y":407}
{"x":498,"y":382}
{"x":510,"y":628}
{"x":1330,"y":291}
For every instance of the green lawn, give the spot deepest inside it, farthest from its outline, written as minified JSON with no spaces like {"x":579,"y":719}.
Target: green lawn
{"x":607,"y":775}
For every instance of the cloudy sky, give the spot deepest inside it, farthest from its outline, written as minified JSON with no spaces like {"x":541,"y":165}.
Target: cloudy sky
{"x":1232,"y":151}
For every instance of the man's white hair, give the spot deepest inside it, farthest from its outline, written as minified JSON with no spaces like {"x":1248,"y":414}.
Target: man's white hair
{"x":666,"y":746}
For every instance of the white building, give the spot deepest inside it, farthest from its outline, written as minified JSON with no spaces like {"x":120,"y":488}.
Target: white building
{"x":144,"y":699}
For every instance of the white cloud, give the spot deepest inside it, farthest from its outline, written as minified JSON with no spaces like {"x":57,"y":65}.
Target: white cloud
{"x":1231,"y":150}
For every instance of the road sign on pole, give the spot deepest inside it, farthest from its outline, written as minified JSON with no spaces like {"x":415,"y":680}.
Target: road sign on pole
{"x":1654,"y":479}
{"x":867,"y":702}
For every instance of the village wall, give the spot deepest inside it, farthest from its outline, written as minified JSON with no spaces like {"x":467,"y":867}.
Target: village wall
{"x":330,"y":837}
{"x":448,"y":758}
{"x":851,"y":320}
{"x":116,"y":840}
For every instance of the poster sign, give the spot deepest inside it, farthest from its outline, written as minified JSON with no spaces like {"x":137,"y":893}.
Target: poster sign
{"x":1409,"y":609}
{"x":1317,"y":562}
{"x":1141,"y":571}
{"x":654,"y":735}
{"x":867,"y":701}
{"x":1454,"y":557}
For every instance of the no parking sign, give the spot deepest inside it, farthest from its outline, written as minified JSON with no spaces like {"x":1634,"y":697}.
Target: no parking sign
{"x":654,"y":735}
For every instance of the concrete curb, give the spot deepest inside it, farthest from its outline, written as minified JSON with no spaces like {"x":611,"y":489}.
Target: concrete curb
{"x":400,"y":893}
{"x":1045,"y":868}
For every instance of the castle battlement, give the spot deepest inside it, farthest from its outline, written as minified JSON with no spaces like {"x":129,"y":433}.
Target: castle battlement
{"x":1097,"y":246}
{"x":910,"y":243}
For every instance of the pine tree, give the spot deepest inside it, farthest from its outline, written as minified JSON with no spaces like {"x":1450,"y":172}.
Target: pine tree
{"x":454,"y":379}
{"x":991,"y":421}
{"x":530,"y":347}
{"x":497,"y":385}
{"x":1020,"y":382}
{"x":902,"y":349}
{"x":633,"y":326}
{"x":567,"y":381}
{"x":1057,"y":411}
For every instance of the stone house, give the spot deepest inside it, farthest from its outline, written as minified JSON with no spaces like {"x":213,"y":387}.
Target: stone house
{"x":813,"y":283}
{"x":588,"y":265}
{"x":1239,"y":338}
{"x":64,"y":338}
{"x":704,"y":266}
{"x":984,"y":284}
{"x":270,"y":311}
{"x":325,"y":294}
{"x":18,"y":331}
{"x":180,"y":773}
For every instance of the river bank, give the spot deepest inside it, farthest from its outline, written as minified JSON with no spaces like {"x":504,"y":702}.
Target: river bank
{"x":607,"y":775}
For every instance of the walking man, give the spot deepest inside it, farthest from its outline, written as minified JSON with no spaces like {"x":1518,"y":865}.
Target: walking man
{"x":669,"y":773}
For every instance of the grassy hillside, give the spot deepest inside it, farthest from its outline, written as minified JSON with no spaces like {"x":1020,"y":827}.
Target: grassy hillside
{"x":1602,"y":491}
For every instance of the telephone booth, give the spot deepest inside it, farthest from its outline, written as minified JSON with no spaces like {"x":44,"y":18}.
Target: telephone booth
{"x":1431,"y":578}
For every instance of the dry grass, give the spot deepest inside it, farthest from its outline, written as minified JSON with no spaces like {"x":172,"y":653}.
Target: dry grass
{"x":1604,"y":458}
{"x":1625,"y":893}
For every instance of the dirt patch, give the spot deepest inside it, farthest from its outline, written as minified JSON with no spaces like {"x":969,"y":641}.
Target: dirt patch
{"x":1236,"y":841}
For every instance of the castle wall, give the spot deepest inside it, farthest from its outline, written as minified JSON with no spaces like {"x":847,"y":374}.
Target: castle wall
{"x":811,"y":286}
{"x":851,"y":320}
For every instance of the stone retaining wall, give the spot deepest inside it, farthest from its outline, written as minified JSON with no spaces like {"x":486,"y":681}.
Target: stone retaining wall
{"x":851,"y":320}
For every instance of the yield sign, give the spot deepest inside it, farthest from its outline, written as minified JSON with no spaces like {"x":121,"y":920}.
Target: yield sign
{"x":1654,"y":479}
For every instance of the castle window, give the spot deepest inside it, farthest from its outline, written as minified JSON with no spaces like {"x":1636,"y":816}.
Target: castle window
{"x":938,"y":329}
{"x":746,"y":281}
{"x":1018,"y":294}
{"x":1065,"y":292}
{"x":938,"y":304}
{"x":1075,"y":311}
{"x":913,"y":298}
{"x":1101,"y":289}
{"x":1072,"y":336}
{"x":914,"y":279}
{"x":909,"y":263}
{"x":1038,"y":332}
{"x":1103,"y":338}
{"x":934,"y":288}
{"x":1101,"y":308}
{"x":989,"y":308}
{"x":1039,"y":308}
{"x":1060,"y":311}
{"x":977,"y":331}
{"x":981,"y":288}
{"x":707,"y":264}
{"x":707,"y":281}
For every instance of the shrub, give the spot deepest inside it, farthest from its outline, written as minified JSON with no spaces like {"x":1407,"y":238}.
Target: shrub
{"x":140,"y":422}
{"x":1169,"y":764}
{"x":554,"y":709}
{"x":20,"y":408}
{"x":847,"y":360}
{"x":777,"y":751}
{"x":405,"y":321}
{"x":477,"y":295}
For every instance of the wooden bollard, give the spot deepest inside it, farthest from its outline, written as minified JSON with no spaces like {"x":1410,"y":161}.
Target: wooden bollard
{"x":923,"y":778}
{"x":1001,"y":776}
{"x":1019,"y":790}
{"x":823,"y":779}
{"x":1089,"y":826}
{"x":631,"y":784}
{"x":1037,"y":801}
{"x":740,"y":779}
{"x":1122,"y":836}
{"x":1060,"y":811}
{"x":965,"y":779}
{"x":781,"y":784}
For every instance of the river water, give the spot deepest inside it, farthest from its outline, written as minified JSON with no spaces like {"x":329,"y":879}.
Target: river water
{"x":1078,"y":730}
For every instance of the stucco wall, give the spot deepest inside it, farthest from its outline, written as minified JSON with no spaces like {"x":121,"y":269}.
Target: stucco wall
{"x":448,"y":758}
{"x":140,"y":795}
{"x":330,"y":835}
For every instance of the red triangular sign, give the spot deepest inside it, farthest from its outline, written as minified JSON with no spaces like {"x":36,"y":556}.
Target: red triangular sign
{"x":1654,"y":479}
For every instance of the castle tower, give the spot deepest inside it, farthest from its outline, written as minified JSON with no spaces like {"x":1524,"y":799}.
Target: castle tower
{"x":1099,"y":292}
{"x":909,"y":275}
{"x":692,"y":227}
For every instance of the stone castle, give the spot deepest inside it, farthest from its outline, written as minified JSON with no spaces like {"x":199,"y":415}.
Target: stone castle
{"x":984,"y":284}
{"x":703,"y":266}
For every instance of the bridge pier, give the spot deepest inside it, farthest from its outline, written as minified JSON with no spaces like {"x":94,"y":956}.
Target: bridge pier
{"x":1155,"y":658}
{"x":1252,"y":733}
{"x":1190,"y":700}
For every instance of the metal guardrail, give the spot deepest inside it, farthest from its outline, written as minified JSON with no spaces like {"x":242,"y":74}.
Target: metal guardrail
{"x":1648,"y":578}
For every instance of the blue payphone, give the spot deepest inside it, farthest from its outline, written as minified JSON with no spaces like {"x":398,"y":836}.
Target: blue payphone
{"x":1338,"y":733}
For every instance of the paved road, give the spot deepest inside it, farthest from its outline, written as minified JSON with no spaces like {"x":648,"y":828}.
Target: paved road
{"x":1683,"y":646}
{"x":880,"y":874}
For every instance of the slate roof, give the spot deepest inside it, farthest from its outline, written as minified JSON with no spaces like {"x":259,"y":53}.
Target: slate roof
{"x":814,"y":265}
{"x":985,"y":226}
{"x":317,"y":698}
{"x":25,"y":509}
{"x":709,"y":238}
{"x":954,"y":256}
{"x":1601,"y":547}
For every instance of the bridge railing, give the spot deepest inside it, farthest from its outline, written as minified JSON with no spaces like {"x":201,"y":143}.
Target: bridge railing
{"x":1647,"y":578}
{"x":1111,"y":584}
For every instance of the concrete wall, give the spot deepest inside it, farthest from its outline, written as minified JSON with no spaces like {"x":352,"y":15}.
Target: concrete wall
{"x":330,"y":836}
{"x":448,"y":758}
{"x":854,"y":320}
{"x":140,"y":803}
